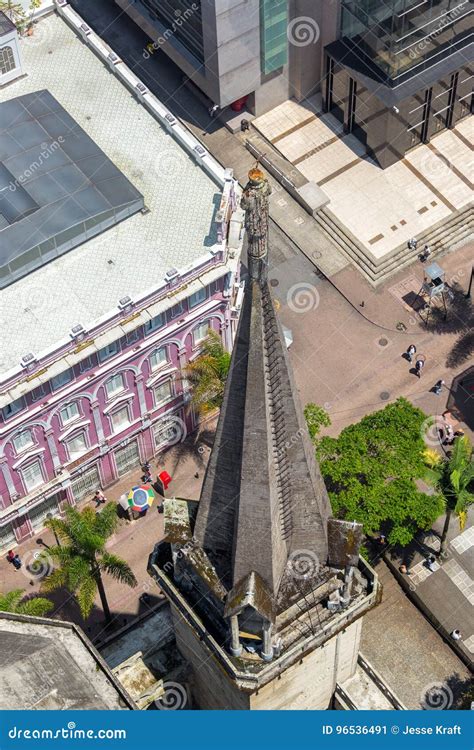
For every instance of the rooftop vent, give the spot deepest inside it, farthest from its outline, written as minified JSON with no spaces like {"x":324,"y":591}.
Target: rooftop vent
{"x":170,"y":118}
{"x":85,"y":29}
{"x":125,"y":303}
{"x":172,"y":273}
{"x":61,"y":3}
{"x":141,"y":88}
{"x":113,"y":58}
{"x":77,"y":332}
{"x":200,"y":151}
{"x":28,"y":360}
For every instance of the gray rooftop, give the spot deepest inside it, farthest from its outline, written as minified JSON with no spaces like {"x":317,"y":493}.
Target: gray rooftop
{"x":57,"y":188}
{"x":6,"y":26}
{"x":133,"y":256}
{"x":49,"y":665}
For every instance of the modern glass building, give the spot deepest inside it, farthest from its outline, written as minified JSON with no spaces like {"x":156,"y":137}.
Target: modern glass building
{"x":400,"y":71}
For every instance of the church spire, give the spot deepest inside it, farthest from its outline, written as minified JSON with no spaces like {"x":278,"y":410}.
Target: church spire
{"x":263,"y":498}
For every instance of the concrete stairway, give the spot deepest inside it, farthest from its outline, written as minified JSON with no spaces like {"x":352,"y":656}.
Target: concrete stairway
{"x":445,"y":235}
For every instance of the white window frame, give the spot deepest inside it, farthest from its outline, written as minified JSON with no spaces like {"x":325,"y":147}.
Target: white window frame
{"x":132,"y":337}
{"x":24,"y":469}
{"x":61,"y":383}
{"x":21,"y":448}
{"x":86,"y":364}
{"x":68,"y":419}
{"x":154,"y":367}
{"x":41,"y":390}
{"x":197,"y":298}
{"x":114,"y":413}
{"x":109,"y":351}
{"x":197,"y":341}
{"x":176,"y":310}
{"x":155,"y":323}
{"x":170,"y":395}
{"x":82,"y":434}
{"x":21,"y":406}
{"x":112,"y":394}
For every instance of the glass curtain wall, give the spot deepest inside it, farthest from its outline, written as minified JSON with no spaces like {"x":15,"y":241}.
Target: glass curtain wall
{"x":398,"y":35}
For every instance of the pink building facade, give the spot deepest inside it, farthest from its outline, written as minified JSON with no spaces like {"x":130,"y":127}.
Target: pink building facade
{"x":115,"y":395}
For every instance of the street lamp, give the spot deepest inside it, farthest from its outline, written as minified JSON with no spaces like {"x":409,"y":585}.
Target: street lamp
{"x":49,"y":516}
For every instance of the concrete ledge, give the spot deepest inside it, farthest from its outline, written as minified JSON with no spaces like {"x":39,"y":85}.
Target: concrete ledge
{"x":232,"y":120}
{"x":312,"y":197}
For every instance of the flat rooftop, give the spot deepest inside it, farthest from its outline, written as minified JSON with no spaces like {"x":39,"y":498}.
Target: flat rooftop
{"x":133,"y":256}
{"x":57,"y":188}
{"x":47,"y":665}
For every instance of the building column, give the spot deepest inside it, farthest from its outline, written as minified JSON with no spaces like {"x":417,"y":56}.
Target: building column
{"x":49,"y":435}
{"x":267,"y":650}
{"x":235,"y":645}
{"x":139,"y":382}
{"x":97,"y":421}
{"x":5,"y":469}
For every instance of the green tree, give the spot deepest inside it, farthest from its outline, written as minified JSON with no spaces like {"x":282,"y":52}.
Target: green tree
{"x":14,"y":11}
{"x":207,"y":375}
{"x":453,"y":477}
{"x":15,"y":602}
{"x":370,"y":472}
{"x":82,"y":556}
{"x":316,"y":417}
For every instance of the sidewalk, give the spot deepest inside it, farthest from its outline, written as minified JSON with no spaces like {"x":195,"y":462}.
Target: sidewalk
{"x":133,"y":541}
{"x":446,"y":595}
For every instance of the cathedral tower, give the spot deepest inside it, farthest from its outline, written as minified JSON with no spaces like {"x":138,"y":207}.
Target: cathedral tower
{"x":267,"y":590}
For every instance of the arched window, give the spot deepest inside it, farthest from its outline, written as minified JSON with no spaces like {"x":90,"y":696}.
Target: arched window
{"x":7,"y":60}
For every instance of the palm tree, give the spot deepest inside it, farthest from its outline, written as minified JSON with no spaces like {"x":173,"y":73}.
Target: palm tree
{"x":207,"y":375}
{"x":15,"y":602}
{"x":453,"y":478}
{"x":82,"y":557}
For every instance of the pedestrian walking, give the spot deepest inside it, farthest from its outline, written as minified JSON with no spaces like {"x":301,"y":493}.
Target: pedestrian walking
{"x":411,"y":351}
{"x":17,"y":563}
{"x":99,"y":498}
{"x":430,"y":563}
{"x":438,"y":386}
{"x":456,"y":635}
{"x":419,"y":364}
{"x":448,"y":435}
{"x":10,"y":556}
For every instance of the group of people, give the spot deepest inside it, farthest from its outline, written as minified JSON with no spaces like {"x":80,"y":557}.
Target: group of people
{"x":14,"y":559}
{"x":419,"y":362}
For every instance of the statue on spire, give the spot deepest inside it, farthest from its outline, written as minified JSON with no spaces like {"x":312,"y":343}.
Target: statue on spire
{"x":255,"y":202}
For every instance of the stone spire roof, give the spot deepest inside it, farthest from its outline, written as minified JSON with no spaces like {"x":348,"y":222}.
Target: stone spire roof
{"x":263,"y":499}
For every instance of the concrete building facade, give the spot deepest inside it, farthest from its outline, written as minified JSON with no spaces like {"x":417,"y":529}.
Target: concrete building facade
{"x":394,"y":72}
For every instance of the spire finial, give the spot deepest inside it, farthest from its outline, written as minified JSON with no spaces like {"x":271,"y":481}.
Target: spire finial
{"x":255,"y":202}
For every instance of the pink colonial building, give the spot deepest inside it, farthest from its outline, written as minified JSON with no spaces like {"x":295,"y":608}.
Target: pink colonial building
{"x":126,"y":255}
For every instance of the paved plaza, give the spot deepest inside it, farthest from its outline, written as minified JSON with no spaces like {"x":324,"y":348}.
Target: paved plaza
{"x":383,"y":208}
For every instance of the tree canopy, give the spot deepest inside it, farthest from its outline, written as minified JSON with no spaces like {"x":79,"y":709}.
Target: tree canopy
{"x":207,"y":375}
{"x":370,"y":472}
{"x":16,"y":602}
